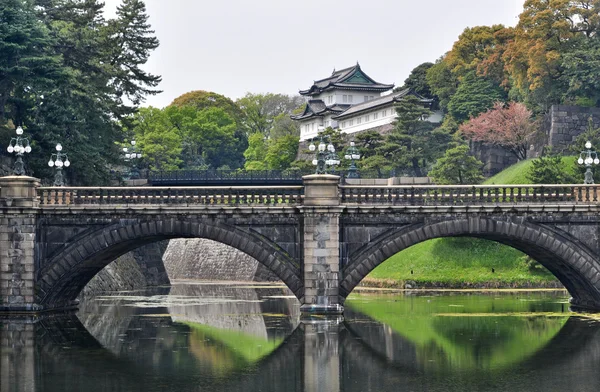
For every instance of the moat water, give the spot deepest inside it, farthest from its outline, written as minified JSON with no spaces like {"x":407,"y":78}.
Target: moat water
{"x":241,"y":337}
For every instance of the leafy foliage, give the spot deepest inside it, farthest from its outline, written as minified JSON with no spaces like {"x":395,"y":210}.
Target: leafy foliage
{"x":417,"y":81}
{"x":510,"y":127}
{"x":474,"y":96}
{"x":70,"y":76}
{"x":549,"y":169}
{"x":457,"y":166}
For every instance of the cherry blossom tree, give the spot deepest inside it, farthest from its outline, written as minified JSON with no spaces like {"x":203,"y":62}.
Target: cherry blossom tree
{"x":509,"y":126}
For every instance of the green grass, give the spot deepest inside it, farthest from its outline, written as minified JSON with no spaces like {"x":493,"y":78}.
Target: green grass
{"x":518,"y":173}
{"x":460,"y":262}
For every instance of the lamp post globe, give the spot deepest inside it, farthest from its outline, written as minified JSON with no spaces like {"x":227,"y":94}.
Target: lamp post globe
{"x":19,"y":146}
{"x":588,"y":158}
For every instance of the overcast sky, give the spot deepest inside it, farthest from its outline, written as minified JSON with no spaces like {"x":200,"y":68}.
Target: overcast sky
{"x":236,"y":46}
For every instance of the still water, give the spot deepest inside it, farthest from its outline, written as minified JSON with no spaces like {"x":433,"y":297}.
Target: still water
{"x":216,"y":337}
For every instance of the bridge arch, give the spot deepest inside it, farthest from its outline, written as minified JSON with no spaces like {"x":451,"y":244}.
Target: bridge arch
{"x":569,"y":260}
{"x":66,"y":272}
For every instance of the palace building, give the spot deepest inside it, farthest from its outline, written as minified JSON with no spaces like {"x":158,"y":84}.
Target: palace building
{"x":353,"y":102}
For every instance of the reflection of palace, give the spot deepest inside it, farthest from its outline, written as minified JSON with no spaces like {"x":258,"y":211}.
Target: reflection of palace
{"x":142,"y":349}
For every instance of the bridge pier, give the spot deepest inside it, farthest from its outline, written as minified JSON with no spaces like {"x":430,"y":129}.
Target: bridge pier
{"x":19,"y":204}
{"x":321,"y":213}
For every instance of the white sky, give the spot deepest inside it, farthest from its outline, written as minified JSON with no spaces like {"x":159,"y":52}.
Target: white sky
{"x":236,"y":46}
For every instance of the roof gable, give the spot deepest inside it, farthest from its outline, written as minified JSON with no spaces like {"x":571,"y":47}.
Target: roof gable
{"x":347,"y":78}
{"x":359,"y":78}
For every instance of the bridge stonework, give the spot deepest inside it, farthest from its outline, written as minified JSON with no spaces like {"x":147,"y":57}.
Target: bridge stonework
{"x":321,"y":239}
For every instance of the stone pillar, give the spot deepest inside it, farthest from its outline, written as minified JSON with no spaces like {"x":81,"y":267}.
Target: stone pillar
{"x":321,"y":212}
{"x":18,"y":217}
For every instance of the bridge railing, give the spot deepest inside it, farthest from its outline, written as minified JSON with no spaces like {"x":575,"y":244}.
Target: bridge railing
{"x":223,"y":196}
{"x":434,"y":195}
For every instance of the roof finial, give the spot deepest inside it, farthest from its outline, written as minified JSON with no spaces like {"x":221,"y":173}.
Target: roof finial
{"x":333,"y":71}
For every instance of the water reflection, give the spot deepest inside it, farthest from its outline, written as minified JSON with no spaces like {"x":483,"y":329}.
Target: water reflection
{"x":231,"y":338}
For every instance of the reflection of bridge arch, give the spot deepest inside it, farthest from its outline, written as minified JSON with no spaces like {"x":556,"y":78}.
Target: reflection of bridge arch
{"x":565,"y":256}
{"x":67,"y":271}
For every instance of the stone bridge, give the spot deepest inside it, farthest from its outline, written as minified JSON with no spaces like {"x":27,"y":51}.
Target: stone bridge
{"x":321,"y":239}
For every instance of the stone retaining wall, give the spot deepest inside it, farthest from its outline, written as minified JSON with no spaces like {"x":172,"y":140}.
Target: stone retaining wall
{"x":135,"y":270}
{"x":209,"y":260}
{"x":568,"y":122}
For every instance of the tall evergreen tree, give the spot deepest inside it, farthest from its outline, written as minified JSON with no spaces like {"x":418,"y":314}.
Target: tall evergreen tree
{"x":130,"y":42}
{"x":407,"y":145}
{"x":26,"y":64}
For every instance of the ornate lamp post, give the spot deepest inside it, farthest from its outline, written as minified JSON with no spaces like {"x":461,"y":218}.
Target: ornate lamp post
{"x":60,"y":160}
{"x":19,"y":145}
{"x":353,"y":155}
{"x":325,"y":156}
{"x":588,"y":158}
{"x":131,"y":156}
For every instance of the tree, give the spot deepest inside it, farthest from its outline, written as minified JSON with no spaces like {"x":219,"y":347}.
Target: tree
{"x":282,"y":152}
{"x":549,"y":169}
{"x":368,"y":142}
{"x":26,"y":61}
{"x":200,"y":99}
{"x":480,"y":49}
{"x":261,"y":110}
{"x":442,"y":82}
{"x":256,"y":152}
{"x":457,"y":166}
{"x":546,"y":31}
{"x":417,"y":81}
{"x":407,"y":144}
{"x":159,"y":141}
{"x":509,"y":126}
{"x":210,"y":137}
{"x":130,"y":43}
{"x":473,"y":96}
{"x":581,"y":69}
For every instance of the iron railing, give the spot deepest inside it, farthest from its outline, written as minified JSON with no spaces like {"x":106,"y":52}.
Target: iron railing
{"x":226,"y":177}
{"x":440,"y":195}
{"x":245,"y":177}
{"x":222,"y":196}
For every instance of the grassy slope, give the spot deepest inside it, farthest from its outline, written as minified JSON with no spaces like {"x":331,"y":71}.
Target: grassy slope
{"x":518,"y":173}
{"x":465,"y":262}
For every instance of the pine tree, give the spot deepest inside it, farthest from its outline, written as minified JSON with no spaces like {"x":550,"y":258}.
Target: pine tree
{"x":407,"y":145}
{"x":26,"y":64}
{"x":131,"y":41}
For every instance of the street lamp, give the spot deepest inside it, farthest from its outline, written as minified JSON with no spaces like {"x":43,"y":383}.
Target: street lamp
{"x":131,"y":156}
{"x":60,"y":160}
{"x":353,"y":155}
{"x":325,"y":156}
{"x":19,"y":145}
{"x":588,"y":158}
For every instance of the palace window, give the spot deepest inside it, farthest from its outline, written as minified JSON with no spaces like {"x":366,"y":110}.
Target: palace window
{"x":343,"y":124}
{"x":330,"y":99}
{"x":366,"y":98}
{"x":367,"y":118}
{"x":345,"y":98}
{"x":352,"y":122}
{"x":358,"y":120}
{"x":375,"y":115}
{"x":349,"y":98}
